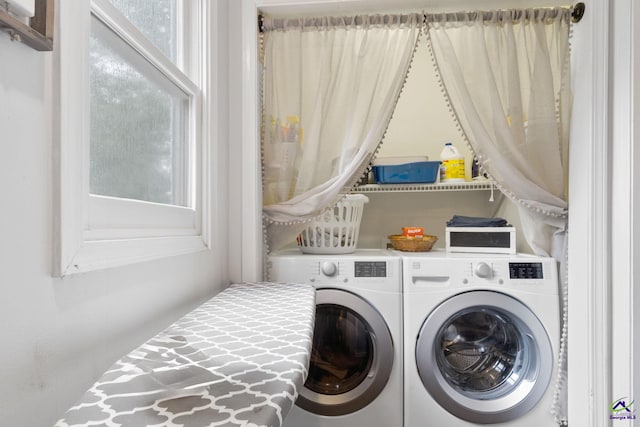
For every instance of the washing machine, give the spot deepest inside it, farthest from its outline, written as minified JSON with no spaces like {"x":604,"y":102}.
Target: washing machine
{"x":355,"y":373}
{"x":481,"y":338}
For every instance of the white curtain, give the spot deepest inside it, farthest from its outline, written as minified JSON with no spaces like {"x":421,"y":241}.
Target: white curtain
{"x":330,"y":87}
{"x":506,"y":75}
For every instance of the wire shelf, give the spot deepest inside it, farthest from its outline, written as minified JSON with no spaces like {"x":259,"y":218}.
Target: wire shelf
{"x":409,"y":188}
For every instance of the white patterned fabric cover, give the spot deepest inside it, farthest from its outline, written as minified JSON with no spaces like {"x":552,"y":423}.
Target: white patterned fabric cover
{"x":237,"y":360}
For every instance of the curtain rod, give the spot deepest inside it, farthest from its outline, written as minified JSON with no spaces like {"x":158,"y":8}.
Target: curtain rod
{"x":271,"y":23}
{"x":577,"y":12}
{"x":496,"y":15}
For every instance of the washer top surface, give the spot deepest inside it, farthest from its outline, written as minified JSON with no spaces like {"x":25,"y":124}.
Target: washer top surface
{"x":359,"y":253}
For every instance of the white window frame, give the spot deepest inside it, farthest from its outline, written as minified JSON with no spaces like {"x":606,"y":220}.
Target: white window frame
{"x":96,"y":232}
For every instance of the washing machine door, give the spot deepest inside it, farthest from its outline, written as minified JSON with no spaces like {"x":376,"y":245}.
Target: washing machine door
{"x":484,"y":356}
{"x":351,"y":358}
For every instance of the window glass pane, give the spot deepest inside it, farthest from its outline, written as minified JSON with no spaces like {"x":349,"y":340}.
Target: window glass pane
{"x":138,"y":126}
{"x":156,"y":19}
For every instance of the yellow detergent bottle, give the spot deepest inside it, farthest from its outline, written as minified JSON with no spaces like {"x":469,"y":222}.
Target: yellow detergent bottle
{"x":452,"y":164}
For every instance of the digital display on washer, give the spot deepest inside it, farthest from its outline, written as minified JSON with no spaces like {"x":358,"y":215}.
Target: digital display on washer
{"x":525,"y":270}
{"x":371,"y":269}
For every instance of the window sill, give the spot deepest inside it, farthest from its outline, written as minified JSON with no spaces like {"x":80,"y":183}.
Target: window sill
{"x":102,"y":254}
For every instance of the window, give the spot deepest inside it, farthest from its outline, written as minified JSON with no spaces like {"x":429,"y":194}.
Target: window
{"x":132,"y":151}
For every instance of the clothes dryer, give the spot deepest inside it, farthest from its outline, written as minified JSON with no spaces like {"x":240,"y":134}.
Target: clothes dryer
{"x":481,"y":339}
{"x":355,"y":374}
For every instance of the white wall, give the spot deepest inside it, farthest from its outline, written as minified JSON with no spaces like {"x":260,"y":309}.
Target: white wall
{"x":387,"y":213}
{"x":421,"y":122}
{"x":59,"y":335}
{"x":625,"y":202}
{"x":635,"y":130}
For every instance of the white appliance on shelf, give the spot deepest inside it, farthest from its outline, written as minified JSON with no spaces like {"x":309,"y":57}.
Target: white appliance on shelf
{"x":481,"y":337}
{"x":355,"y":374}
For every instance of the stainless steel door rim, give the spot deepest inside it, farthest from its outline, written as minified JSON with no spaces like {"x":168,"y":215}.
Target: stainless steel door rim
{"x":343,"y":391}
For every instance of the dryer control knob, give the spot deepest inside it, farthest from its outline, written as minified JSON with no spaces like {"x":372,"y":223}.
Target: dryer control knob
{"x":482,"y":269}
{"x":329,"y":268}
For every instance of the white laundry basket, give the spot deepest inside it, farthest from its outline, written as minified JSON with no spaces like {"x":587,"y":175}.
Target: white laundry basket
{"x":336,"y":231}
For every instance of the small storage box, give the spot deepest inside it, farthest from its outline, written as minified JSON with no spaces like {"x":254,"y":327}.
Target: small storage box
{"x":501,"y":240}
{"x":417,"y":172}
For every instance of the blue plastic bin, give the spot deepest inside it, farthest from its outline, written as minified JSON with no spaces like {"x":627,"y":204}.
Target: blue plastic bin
{"x":418,"y":172}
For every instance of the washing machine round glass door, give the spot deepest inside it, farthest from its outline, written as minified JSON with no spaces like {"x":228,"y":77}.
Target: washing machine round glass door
{"x":484,"y":356}
{"x":351,"y":357}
